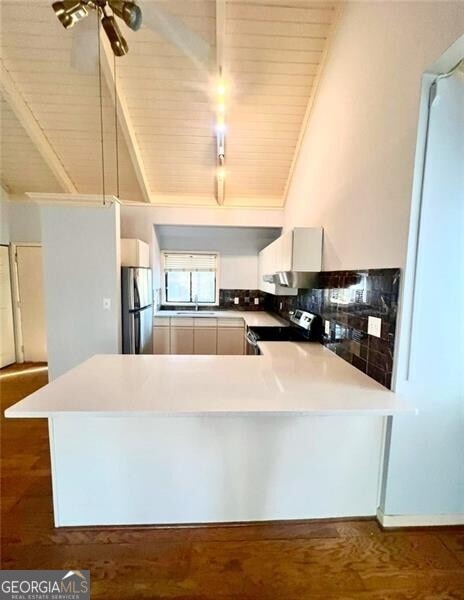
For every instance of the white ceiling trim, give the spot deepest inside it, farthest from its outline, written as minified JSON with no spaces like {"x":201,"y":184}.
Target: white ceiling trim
{"x":124,"y":120}
{"x":96,"y":200}
{"x":28,"y":122}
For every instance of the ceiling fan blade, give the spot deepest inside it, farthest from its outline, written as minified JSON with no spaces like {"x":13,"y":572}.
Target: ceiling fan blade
{"x":84,"y":46}
{"x":174,"y":30}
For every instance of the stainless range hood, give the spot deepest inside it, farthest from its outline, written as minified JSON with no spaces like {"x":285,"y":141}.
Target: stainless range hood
{"x":296,"y":279}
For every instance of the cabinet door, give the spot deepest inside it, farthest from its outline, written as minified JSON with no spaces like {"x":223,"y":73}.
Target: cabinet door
{"x":204,"y":340}
{"x":134,"y":253}
{"x":286,"y":252}
{"x":307,"y":249}
{"x":230,"y":340}
{"x":161,"y":340}
{"x":181,"y":340}
{"x":264,"y":268}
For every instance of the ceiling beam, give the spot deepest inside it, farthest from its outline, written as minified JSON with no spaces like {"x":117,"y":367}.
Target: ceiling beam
{"x":220,"y":133}
{"x":124,"y":118}
{"x":27,"y":120}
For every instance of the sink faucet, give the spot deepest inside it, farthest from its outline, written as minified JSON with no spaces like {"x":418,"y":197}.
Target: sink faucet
{"x":195,"y":299}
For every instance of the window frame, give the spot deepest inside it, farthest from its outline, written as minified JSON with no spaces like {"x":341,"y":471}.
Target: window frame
{"x":165,"y":302}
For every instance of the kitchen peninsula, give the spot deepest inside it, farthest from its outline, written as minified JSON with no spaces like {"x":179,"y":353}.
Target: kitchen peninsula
{"x":294,"y":433}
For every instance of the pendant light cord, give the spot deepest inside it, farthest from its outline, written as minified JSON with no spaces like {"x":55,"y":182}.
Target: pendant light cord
{"x":116,"y":124}
{"x":101,"y":109}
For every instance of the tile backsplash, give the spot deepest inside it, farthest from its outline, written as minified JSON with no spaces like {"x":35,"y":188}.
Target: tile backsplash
{"x":346,"y":299}
{"x":246,"y":301}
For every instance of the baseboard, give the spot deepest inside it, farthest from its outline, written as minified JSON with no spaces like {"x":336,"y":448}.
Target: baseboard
{"x":419,"y":520}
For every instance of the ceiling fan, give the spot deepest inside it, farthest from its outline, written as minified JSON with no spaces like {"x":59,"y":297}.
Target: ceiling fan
{"x":155,"y":17}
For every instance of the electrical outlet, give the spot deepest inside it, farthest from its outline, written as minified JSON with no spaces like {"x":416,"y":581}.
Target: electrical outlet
{"x":256,"y":300}
{"x":106,"y":303}
{"x":374,"y":326}
{"x":327,"y":327}
{"x":236,"y":300}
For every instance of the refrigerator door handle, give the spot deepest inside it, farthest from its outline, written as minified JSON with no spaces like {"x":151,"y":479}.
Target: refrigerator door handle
{"x":137,"y":332}
{"x":136,"y":291}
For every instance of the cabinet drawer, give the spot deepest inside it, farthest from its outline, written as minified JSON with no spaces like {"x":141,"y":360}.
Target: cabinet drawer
{"x":161,"y":322}
{"x":205,"y":322}
{"x":231,"y":322}
{"x":181,"y":322}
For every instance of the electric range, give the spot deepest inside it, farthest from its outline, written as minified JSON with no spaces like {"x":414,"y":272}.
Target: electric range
{"x":304,"y":327}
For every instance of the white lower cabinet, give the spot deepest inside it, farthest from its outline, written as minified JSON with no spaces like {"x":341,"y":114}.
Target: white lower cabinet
{"x":230,"y":340}
{"x":204,"y":340}
{"x":198,"y":335}
{"x":182,"y":340}
{"x":161,"y":340}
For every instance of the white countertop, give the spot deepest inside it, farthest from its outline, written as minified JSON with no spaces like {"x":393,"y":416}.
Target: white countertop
{"x":253,"y":318}
{"x":287,"y":379}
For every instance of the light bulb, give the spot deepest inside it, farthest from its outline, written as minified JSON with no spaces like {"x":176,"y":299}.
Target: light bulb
{"x":221,"y":89}
{"x":221,"y":108}
{"x":220,"y":127}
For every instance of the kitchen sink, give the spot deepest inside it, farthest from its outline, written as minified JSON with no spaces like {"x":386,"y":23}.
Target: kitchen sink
{"x":194,"y":313}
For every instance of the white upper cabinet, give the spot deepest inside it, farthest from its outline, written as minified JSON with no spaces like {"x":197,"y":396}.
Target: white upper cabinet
{"x":134,"y":253}
{"x":306,"y":249}
{"x":296,"y":250}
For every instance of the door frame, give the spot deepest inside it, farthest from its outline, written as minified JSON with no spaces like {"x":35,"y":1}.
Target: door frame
{"x":444,"y":64}
{"x":17,"y":322}
{"x":8,"y":248}
{"x":403,"y":344}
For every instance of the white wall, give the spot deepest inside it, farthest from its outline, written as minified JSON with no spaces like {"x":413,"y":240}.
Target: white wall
{"x":138,"y":217}
{"x":25,"y":221}
{"x":354,"y":172}
{"x":4,"y":217}
{"x":239,"y":272}
{"x":426,"y":464}
{"x":238,"y":248}
{"x":138,"y":221}
{"x":81,"y":268}
{"x":19,"y":219}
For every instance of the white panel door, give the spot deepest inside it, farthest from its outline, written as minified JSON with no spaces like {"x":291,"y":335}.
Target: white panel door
{"x":7,"y":343}
{"x":31,"y":298}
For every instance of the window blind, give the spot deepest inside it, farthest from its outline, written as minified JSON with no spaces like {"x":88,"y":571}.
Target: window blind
{"x":189,"y":262}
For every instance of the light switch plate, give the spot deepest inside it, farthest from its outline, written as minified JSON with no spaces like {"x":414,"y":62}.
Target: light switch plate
{"x":236,"y":300}
{"x":327,"y":327}
{"x":106,"y":303}
{"x":374,"y":326}
{"x":256,"y":300}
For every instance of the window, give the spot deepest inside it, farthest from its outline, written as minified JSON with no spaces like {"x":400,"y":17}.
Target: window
{"x":190,"y":278}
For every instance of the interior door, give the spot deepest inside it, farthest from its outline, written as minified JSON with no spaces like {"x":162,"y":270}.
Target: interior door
{"x":7,"y":343}
{"x":32,"y":305}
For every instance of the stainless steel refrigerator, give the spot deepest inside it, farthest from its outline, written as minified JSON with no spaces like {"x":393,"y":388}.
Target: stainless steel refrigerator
{"x":137,"y":310}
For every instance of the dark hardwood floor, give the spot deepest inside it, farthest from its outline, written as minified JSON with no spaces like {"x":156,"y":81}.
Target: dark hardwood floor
{"x":324,"y":560}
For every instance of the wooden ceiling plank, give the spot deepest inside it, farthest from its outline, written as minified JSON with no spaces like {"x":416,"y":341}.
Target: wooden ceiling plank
{"x":241,"y":40}
{"x":289,"y":14}
{"x":34,"y":131}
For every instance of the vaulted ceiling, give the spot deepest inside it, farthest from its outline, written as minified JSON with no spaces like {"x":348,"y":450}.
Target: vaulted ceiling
{"x":270,"y":52}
